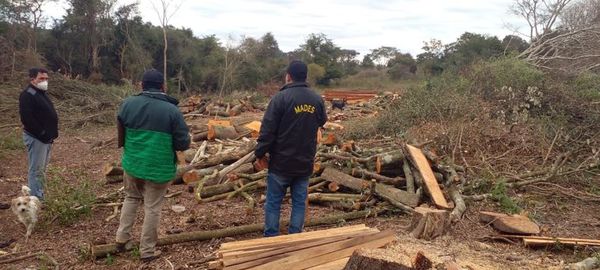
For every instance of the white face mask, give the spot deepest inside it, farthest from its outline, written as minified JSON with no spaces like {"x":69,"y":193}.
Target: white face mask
{"x":42,"y":85}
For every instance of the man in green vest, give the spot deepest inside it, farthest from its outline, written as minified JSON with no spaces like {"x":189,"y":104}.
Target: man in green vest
{"x":151,"y":128}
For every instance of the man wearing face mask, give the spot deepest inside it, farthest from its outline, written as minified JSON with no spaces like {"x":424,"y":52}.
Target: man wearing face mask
{"x":40,"y":124}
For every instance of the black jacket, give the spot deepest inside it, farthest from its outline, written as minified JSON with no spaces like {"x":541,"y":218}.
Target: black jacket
{"x":289,"y":130}
{"x":38,"y":115}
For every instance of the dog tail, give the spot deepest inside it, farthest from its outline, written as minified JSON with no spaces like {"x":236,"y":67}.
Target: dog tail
{"x":26,"y":191}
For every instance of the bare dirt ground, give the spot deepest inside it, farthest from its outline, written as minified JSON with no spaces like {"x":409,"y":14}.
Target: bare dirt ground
{"x":466,"y":243}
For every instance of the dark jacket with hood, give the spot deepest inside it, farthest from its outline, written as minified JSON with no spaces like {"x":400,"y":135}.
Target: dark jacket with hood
{"x":38,"y":115}
{"x":154,"y":129}
{"x":289,"y":130}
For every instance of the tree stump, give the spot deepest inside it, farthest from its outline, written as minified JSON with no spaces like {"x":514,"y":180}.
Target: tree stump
{"x":429,"y":223}
{"x":377,"y":259}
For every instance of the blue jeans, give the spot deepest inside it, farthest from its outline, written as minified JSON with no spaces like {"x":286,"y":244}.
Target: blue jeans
{"x":276,"y":189}
{"x":38,"y":155}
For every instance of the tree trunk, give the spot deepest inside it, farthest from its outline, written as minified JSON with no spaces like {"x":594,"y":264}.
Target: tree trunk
{"x":223,"y":133}
{"x":395,"y":196}
{"x":459,"y":204}
{"x":429,"y":223}
{"x":378,"y":259}
{"x":195,"y":175}
{"x":410,"y":181}
{"x":393,"y":159}
{"x":397,"y":181}
{"x":165,"y":53}
{"x":103,"y":250}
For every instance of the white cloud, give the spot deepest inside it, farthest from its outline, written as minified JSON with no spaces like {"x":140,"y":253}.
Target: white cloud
{"x":352,"y":24}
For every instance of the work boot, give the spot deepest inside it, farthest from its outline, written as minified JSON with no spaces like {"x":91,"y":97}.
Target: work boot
{"x":152,"y":257}
{"x":122,"y":247}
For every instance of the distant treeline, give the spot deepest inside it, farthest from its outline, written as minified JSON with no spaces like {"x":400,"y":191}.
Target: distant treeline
{"x":100,"y":42}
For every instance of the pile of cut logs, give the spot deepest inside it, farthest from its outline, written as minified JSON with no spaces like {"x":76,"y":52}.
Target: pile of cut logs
{"x":197,"y":105}
{"x":348,"y":176}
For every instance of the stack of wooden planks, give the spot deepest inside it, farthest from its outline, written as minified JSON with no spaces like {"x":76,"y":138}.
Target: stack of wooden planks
{"x":350,"y":95}
{"x":544,"y":241}
{"x":325,"y":249}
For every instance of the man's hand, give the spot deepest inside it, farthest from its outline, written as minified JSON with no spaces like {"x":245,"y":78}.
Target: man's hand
{"x":261,"y":163}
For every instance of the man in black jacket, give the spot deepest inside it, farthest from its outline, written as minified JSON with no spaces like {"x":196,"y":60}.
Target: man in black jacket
{"x":289,"y":135}
{"x":40,"y":124}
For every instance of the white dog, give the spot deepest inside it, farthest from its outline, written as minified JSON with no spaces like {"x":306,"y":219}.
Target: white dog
{"x":26,"y":208}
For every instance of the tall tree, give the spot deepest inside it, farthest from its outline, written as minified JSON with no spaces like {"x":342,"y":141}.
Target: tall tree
{"x":165,"y":11}
{"x":541,"y":15}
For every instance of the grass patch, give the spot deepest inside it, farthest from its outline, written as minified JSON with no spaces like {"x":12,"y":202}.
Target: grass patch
{"x":10,"y":141}
{"x":68,"y":201}
{"x":507,"y":204}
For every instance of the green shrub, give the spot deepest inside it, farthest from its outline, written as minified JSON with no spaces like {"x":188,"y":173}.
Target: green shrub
{"x":11,"y":140}
{"x":442,"y":98}
{"x":507,"y":204}
{"x":66,"y":202}
{"x":488,"y":76}
{"x":587,"y":86}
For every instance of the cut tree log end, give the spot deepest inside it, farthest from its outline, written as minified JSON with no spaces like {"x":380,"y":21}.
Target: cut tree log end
{"x":421,"y":262}
{"x":429,"y":223}
{"x":378,"y":259}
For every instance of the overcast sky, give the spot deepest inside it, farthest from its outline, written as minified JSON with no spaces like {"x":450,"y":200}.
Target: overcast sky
{"x":352,"y":24}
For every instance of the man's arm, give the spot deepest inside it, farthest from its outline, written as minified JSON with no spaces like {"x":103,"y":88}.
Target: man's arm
{"x":322,"y":114}
{"x":269,"y":127}
{"x":181,"y":136}
{"x":26,"y":111}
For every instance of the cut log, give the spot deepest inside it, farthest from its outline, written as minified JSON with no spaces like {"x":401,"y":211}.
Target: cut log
{"x":235,"y":110}
{"x":397,"y":181}
{"x":587,"y":264}
{"x":459,"y":204}
{"x":378,"y":259}
{"x":194,"y":176}
{"x":429,"y":179}
{"x":389,"y":193}
{"x":102,"y":250}
{"x":421,"y":262}
{"x":200,"y":136}
{"x":329,"y":197}
{"x":333,"y":186}
{"x":222,"y":158}
{"x":410,"y":181}
{"x":253,"y":177}
{"x":394,"y":159}
{"x":330,"y":139}
{"x":246,"y":168}
{"x":222,"y":133}
{"x":515,"y":224}
{"x":429,"y":223}
{"x":245,"y":159}
{"x":254,"y":126}
{"x":336,"y":176}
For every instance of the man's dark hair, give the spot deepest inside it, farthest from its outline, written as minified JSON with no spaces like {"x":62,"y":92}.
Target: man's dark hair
{"x":152,"y":79}
{"x":33,"y":72}
{"x":298,"y":71}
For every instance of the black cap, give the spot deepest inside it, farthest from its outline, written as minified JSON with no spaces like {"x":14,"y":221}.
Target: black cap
{"x":153,"y":76}
{"x":298,"y":71}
